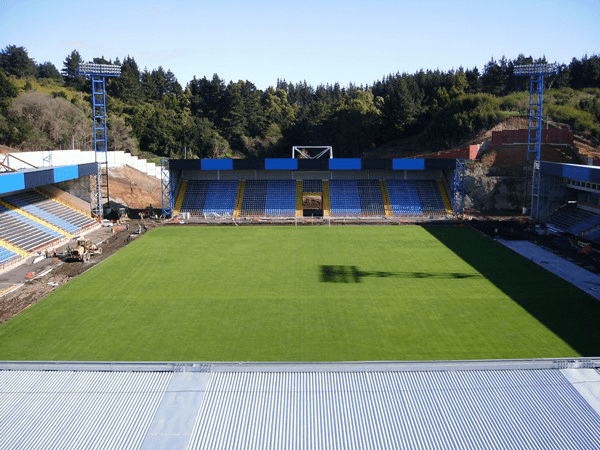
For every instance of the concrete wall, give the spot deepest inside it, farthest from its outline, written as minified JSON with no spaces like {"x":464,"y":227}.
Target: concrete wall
{"x":67,"y":157}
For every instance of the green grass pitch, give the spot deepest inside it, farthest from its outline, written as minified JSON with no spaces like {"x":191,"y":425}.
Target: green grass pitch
{"x":308,"y":294}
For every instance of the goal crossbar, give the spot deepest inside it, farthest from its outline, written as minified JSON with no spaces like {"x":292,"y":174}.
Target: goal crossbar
{"x":308,"y":151}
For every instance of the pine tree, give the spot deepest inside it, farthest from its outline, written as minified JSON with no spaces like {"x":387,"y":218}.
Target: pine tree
{"x":16,"y":61}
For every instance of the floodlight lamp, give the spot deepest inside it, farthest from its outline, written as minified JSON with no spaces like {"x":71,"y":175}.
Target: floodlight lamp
{"x":103,"y":70}
{"x":527,"y":70}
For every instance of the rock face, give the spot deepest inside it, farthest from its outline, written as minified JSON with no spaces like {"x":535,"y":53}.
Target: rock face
{"x":495,"y":195}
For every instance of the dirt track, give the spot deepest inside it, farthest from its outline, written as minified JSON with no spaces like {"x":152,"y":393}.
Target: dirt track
{"x":36,"y":287}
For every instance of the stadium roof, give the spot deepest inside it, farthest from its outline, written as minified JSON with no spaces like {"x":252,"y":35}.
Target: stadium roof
{"x":483,"y":404}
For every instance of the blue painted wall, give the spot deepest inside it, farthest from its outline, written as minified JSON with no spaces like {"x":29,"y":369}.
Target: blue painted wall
{"x":65,"y":173}
{"x":10,"y":182}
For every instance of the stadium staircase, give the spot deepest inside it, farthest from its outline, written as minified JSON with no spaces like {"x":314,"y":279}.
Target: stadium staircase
{"x":445,"y":197}
{"x":180,"y":197}
{"x":299,"y":198}
{"x":326,"y":199}
{"x":386,"y":199}
{"x":240,"y":196}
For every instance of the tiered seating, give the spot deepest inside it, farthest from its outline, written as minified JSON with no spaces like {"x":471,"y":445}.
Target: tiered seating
{"x":255,"y":198}
{"x":585,"y":224}
{"x":220,"y":197}
{"x":210,"y":197}
{"x":568,"y":217}
{"x":7,"y":255}
{"x":404,"y":198}
{"x":269,"y":198}
{"x":415,"y":197}
{"x":281,"y":198}
{"x":371,"y":200}
{"x":312,"y":186}
{"x":50,"y":211}
{"x":431,"y":199}
{"x":194,"y":198}
{"x":24,"y":233}
{"x":344,"y":199}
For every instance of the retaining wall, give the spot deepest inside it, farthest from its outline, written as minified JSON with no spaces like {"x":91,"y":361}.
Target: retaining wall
{"x":68,"y":157}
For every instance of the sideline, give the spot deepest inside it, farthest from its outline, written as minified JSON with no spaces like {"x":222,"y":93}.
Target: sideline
{"x":568,"y":271}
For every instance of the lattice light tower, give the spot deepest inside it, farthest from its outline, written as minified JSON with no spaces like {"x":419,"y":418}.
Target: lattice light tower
{"x":536,"y":74}
{"x":98,"y":74}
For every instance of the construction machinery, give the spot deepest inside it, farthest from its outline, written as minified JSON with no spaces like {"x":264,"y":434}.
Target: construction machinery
{"x":84,"y":249}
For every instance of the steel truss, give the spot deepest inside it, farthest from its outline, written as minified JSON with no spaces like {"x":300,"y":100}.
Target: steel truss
{"x":458,"y":188}
{"x":304,"y":151}
{"x":167,"y":188}
{"x":98,"y":74}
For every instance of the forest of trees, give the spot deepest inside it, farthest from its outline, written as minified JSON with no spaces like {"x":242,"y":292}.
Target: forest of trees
{"x":150,"y":111}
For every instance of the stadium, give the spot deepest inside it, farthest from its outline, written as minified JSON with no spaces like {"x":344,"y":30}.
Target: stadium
{"x":301,"y":302}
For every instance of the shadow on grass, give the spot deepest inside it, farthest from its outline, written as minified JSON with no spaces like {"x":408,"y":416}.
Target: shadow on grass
{"x":351,"y":274}
{"x":567,"y":311}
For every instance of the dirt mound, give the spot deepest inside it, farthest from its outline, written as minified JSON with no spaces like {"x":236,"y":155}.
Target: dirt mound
{"x":132,"y":188}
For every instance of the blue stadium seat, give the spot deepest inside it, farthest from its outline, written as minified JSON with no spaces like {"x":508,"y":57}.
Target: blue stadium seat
{"x":50,"y":211}
{"x":210,"y":197}
{"x":23,"y":232}
{"x":415,"y":197}
{"x":312,"y":186}
{"x":275,"y":198}
{"x":7,"y":255}
{"x":344,"y":199}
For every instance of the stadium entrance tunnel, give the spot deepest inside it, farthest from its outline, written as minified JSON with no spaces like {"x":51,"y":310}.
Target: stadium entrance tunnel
{"x":351,"y":274}
{"x":564,"y":309}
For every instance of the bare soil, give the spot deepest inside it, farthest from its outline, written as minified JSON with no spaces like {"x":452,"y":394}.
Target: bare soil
{"x":134,"y":189}
{"x":61,"y":269}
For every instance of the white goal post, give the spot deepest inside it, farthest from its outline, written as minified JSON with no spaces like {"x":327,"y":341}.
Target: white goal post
{"x":311,"y":151}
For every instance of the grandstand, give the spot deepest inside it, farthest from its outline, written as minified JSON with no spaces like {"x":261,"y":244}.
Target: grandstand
{"x":551,"y":403}
{"x":347,"y":188}
{"x":570,"y":199}
{"x":35,"y":215}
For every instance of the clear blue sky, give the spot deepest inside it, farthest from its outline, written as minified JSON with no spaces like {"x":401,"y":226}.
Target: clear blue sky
{"x":320,"y":41}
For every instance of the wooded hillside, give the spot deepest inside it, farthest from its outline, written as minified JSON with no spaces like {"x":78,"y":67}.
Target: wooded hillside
{"x":150,"y":112}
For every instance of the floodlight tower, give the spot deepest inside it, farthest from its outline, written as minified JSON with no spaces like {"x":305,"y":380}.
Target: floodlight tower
{"x":536,"y":74}
{"x":98,"y":74}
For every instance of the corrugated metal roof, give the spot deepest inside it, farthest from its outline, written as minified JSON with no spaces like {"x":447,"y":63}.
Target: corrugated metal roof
{"x":486,"y":409}
{"x":303,"y":406}
{"x":42,"y":410}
